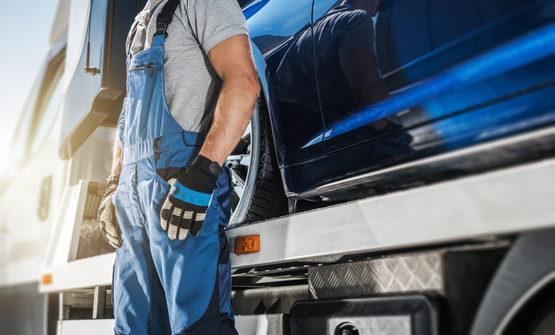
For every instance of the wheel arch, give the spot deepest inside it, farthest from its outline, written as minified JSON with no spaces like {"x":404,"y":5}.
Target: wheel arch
{"x":269,"y":95}
{"x":531,"y":303}
{"x":527,"y":272}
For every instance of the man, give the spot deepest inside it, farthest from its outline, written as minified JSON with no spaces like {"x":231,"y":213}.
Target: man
{"x":342,"y":41}
{"x":191,"y":89}
{"x":340,"y":47}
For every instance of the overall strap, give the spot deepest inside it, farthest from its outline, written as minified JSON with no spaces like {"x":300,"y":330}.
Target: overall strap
{"x":165,"y":17}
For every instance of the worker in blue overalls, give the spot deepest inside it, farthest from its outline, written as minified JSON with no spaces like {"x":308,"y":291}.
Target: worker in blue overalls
{"x":191,"y":89}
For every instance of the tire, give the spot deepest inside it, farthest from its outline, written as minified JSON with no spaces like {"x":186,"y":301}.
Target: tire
{"x":547,"y":325}
{"x":536,"y":313}
{"x":257,"y":186}
{"x":520,"y":298}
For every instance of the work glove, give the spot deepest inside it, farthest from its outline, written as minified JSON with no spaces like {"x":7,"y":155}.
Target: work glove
{"x":107,"y":214}
{"x":190,"y":195}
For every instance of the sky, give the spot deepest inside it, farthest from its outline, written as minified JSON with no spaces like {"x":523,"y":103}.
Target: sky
{"x":25,"y":28}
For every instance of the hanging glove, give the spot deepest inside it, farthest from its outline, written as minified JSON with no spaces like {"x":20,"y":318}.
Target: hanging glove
{"x":107,"y":214}
{"x":190,"y":195}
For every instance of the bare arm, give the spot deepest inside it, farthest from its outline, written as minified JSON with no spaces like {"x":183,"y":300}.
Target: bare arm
{"x":116,"y":157}
{"x":232,"y":61}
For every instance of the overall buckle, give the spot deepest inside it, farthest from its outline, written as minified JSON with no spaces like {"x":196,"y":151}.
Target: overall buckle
{"x":164,"y":19}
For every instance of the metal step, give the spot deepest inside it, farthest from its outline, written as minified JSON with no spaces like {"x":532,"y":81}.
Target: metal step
{"x":86,"y":327}
{"x":408,"y":315}
{"x":457,"y":277}
{"x":268,"y":324}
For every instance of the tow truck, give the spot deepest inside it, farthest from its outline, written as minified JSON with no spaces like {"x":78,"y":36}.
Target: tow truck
{"x":471,"y":254}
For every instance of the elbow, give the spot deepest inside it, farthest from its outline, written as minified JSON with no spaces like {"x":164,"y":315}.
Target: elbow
{"x":247,"y":85}
{"x":258,"y":88}
{"x":253,"y":86}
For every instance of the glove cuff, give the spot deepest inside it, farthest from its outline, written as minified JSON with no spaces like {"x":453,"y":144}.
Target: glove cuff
{"x":201,"y":176}
{"x":111,"y":184}
{"x":207,"y":165}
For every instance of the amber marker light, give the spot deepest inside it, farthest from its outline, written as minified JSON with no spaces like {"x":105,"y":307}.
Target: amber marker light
{"x":46,"y":279}
{"x":247,"y":245}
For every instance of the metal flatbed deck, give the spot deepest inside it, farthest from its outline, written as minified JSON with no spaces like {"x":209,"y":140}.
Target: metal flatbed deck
{"x":501,"y":202}
{"x":496,"y":203}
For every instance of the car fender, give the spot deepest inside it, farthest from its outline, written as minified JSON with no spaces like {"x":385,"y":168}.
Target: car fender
{"x":271,"y":101}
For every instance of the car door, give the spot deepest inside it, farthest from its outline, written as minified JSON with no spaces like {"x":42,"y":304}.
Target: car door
{"x":281,"y":30}
{"x":377,"y":54}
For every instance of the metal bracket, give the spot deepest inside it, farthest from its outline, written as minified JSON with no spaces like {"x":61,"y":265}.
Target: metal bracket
{"x":99,"y":302}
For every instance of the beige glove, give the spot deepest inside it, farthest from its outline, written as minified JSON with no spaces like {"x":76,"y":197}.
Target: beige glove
{"x":107,"y":214}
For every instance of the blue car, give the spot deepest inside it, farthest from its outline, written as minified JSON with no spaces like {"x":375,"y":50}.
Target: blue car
{"x":368,"y":97}
{"x":364,"y":97}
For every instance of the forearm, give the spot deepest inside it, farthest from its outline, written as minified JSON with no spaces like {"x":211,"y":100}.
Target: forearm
{"x":234,"y":108}
{"x":232,"y":61}
{"x":116,"y":157}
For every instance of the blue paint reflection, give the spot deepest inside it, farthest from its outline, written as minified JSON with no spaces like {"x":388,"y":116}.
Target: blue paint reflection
{"x":524,"y":50}
{"x":265,"y":22}
{"x":254,"y":8}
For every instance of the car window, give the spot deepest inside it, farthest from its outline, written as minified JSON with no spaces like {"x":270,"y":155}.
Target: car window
{"x":21,"y":135}
{"x":46,"y":116}
{"x":242,"y":3}
{"x":40,"y":110}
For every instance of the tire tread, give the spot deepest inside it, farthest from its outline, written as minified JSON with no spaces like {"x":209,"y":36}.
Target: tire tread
{"x":269,"y":200}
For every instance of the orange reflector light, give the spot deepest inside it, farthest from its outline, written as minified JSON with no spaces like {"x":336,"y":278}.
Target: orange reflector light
{"x":46,"y":279}
{"x":247,"y":245}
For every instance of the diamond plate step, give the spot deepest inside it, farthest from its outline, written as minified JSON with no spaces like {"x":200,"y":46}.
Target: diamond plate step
{"x":459,"y":278}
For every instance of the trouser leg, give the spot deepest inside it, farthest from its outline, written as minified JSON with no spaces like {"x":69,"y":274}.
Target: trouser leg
{"x":189,"y":270}
{"x":227,"y":320}
{"x":139,"y":304}
{"x":218,"y":317}
{"x":159,"y":282}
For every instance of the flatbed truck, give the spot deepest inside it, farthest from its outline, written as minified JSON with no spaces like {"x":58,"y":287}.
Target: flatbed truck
{"x":463,"y":253}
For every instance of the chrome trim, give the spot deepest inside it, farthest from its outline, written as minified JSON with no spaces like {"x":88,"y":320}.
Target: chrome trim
{"x":240,"y":214}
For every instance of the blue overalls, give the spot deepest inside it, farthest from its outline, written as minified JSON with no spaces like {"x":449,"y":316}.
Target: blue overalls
{"x":162,"y":286}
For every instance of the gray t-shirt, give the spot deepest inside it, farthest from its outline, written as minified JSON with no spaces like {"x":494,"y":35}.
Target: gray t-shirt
{"x":191,"y":84}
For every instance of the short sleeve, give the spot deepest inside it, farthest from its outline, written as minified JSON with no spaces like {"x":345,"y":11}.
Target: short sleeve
{"x":214,"y":21}
{"x":357,"y":30}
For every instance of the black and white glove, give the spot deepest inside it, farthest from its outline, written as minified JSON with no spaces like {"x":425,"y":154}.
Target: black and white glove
{"x":107,"y":214}
{"x":191,"y":193}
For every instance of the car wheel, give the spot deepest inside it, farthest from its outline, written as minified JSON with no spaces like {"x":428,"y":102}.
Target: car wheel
{"x":257,"y":192}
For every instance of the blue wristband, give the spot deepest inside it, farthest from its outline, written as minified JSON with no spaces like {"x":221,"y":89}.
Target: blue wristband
{"x":189,"y":196}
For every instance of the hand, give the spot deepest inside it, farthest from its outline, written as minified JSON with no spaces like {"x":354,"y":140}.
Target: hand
{"x":190,"y":195}
{"x":107,"y":214}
